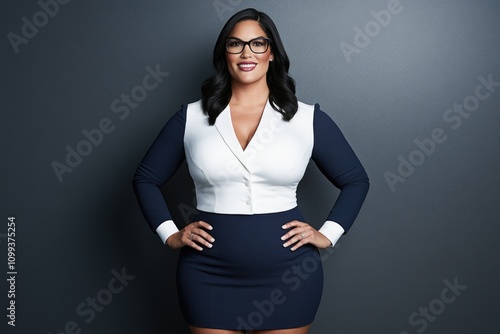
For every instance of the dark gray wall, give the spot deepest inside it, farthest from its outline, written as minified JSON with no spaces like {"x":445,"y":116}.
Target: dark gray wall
{"x":409,"y":93}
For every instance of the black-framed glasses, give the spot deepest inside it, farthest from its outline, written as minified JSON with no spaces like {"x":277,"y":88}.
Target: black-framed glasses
{"x":257,"y":45}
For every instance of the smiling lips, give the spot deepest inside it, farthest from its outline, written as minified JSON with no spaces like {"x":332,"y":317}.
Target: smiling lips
{"x":246,"y":66}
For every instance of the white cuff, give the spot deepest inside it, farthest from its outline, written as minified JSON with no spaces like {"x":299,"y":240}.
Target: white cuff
{"x":166,"y":229}
{"x":332,"y":230}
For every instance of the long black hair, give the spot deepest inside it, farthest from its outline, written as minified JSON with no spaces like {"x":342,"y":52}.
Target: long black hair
{"x":216,"y":90}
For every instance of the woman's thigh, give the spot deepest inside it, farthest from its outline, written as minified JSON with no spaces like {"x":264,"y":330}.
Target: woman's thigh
{"x":200,"y":330}
{"x":299,"y":330}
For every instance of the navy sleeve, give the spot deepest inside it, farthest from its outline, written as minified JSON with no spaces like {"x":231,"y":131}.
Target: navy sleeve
{"x":337,"y":161}
{"x":162,"y":160}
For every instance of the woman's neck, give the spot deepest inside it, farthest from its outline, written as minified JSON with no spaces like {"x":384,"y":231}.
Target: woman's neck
{"x":249,"y":94}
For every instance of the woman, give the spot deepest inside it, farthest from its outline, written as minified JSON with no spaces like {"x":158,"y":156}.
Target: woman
{"x":248,"y":262}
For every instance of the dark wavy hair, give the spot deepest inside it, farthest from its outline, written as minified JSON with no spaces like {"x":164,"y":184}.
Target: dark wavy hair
{"x":216,"y":90}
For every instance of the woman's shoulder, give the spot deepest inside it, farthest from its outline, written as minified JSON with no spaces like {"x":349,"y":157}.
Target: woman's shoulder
{"x":310,"y":108}
{"x":320,"y":120}
{"x":306,"y":110}
{"x":190,"y":108}
{"x":195,"y":105}
{"x":186,"y":111}
{"x":313,"y":108}
{"x":306,"y":106}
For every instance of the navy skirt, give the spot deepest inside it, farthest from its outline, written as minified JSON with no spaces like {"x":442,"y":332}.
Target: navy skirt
{"x":248,"y":280}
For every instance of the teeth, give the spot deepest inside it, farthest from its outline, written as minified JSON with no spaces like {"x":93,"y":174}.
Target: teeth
{"x":246,"y":65}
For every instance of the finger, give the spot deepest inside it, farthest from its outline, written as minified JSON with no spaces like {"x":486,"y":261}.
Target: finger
{"x":303,"y":239}
{"x":202,"y":237}
{"x":296,"y":237}
{"x":200,"y":230}
{"x":195,"y":246}
{"x":302,"y":228}
{"x":188,"y":240}
{"x":205,"y":225}
{"x":299,"y":244}
{"x":289,"y":235}
{"x":293,"y":223}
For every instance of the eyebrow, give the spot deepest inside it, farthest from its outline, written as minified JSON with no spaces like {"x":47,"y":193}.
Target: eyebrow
{"x":233,"y":37}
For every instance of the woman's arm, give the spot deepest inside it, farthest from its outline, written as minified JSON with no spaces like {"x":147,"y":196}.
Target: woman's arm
{"x":160,"y":163}
{"x":337,"y":161}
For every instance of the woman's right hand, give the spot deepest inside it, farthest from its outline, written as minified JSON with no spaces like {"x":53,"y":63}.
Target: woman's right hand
{"x":193,"y":235}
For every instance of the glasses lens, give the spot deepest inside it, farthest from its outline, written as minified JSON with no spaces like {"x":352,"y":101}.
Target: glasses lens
{"x":259,"y":45}
{"x":234,"y":45}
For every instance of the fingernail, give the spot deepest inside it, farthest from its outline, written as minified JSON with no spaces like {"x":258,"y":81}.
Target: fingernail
{"x":212,"y":240}
{"x":285,"y":244}
{"x":283,"y":227}
{"x":210,"y":246}
{"x":210,"y":227}
{"x":283,"y":238}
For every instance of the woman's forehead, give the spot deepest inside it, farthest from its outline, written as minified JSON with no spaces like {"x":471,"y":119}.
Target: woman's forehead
{"x":246,"y":30}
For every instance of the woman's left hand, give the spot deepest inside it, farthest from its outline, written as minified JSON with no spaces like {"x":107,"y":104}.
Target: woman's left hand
{"x":302,"y":233}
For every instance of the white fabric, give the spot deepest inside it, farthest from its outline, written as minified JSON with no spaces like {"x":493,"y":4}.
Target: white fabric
{"x":166,"y":229}
{"x":261,"y":179}
{"x":332,"y":230}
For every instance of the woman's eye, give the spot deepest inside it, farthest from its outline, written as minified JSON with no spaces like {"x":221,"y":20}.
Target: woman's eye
{"x":234,"y":43}
{"x":258,"y":43}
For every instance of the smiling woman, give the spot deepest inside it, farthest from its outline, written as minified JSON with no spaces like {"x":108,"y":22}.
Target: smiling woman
{"x":248,"y":65}
{"x":217,"y":90}
{"x":249,"y":261}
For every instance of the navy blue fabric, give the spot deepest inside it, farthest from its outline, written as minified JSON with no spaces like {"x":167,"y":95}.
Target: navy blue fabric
{"x":161,"y":162}
{"x":337,"y":161}
{"x":248,"y":280}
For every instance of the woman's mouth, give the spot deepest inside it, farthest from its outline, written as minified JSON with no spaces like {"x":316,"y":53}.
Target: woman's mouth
{"x":246,"y":66}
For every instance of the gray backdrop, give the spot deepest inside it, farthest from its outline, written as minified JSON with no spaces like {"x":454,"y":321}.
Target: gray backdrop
{"x":414,"y":86}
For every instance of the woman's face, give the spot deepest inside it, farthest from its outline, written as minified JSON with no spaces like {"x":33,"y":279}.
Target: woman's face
{"x":248,"y":67}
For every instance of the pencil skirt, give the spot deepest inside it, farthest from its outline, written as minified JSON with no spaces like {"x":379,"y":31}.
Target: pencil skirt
{"x":248,"y":280}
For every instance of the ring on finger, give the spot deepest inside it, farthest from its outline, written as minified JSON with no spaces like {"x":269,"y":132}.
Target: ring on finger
{"x":191,"y":236}
{"x":302,"y":236}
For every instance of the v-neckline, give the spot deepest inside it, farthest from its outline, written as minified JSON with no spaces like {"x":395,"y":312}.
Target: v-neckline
{"x":256,"y":129}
